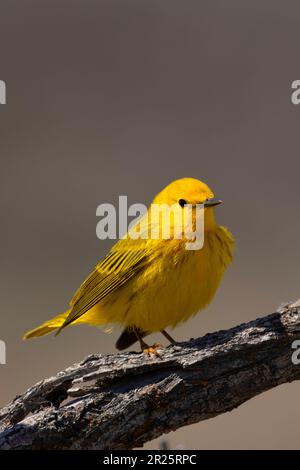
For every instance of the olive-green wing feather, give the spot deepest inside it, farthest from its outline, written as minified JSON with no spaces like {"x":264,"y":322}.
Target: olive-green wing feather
{"x":109,"y":275}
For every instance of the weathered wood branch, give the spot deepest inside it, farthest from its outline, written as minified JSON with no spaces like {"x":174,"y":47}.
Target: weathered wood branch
{"x":121,"y":401}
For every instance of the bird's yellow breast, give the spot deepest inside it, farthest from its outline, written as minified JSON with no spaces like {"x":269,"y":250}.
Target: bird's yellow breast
{"x":175,"y":286}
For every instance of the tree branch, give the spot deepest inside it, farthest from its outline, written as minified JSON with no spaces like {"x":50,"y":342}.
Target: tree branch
{"x":121,"y":401}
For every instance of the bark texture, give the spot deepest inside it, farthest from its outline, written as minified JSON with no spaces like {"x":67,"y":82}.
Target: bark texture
{"x":121,"y":401}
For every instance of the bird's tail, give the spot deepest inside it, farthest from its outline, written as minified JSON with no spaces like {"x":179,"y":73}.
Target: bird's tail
{"x":47,"y":327}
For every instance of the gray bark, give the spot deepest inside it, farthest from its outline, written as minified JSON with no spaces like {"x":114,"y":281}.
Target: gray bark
{"x":121,"y":401}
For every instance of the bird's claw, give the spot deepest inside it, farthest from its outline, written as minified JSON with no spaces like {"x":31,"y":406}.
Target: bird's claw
{"x":152,"y":349}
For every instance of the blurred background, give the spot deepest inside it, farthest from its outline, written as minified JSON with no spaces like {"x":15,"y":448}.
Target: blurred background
{"x":115,"y":97}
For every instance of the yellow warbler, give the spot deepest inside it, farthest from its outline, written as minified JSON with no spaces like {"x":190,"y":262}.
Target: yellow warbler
{"x":148,"y":284}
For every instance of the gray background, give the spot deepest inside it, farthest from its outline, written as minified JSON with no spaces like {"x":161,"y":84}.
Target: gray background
{"x":121,"y":97}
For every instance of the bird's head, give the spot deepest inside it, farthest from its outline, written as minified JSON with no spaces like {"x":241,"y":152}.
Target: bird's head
{"x":190,"y":191}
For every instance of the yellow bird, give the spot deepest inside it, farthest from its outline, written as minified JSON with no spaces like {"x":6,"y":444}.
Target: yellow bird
{"x":146,"y":284}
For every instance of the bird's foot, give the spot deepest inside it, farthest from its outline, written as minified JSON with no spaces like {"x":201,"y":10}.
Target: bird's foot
{"x":152,"y":349}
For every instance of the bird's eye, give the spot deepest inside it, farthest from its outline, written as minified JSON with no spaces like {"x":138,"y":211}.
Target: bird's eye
{"x":182,"y":202}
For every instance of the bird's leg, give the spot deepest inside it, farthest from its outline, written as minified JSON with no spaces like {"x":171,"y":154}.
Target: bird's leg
{"x":169,"y":337}
{"x":146,"y":349}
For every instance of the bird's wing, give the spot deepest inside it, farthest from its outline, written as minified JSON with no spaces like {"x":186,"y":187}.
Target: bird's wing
{"x":120,"y":265}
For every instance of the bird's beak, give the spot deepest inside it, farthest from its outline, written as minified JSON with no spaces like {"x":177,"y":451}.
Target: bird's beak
{"x":212,"y":202}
